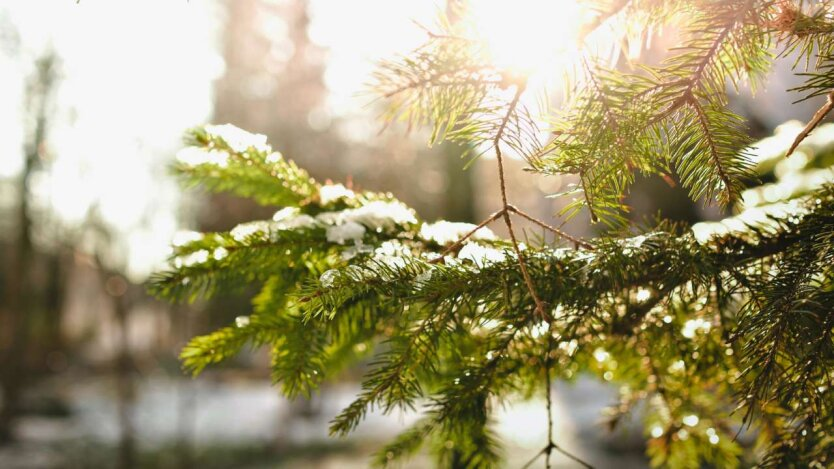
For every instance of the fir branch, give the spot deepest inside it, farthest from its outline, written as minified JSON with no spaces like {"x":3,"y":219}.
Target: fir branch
{"x":703,"y":122}
{"x":227,"y":342}
{"x":707,"y":139}
{"x":393,"y":383}
{"x":731,"y":312}
{"x":405,"y":444}
{"x":246,"y":167}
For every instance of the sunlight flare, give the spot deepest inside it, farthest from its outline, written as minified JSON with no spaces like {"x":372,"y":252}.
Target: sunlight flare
{"x":530,"y":36}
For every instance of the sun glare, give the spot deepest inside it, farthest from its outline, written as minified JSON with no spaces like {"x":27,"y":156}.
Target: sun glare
{"x":530,"y":37}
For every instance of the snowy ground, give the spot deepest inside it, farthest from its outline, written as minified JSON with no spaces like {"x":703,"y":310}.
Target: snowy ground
{"x":258,"y":428}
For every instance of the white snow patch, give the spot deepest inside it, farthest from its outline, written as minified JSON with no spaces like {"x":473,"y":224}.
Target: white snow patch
{"x":381,"y":215}
{"x":195,"y":156}
{"x":349,"y":231}
{"x":244,"y":231}
{"x":482,"y":256}
{"x":238,"y":139}
{"x":446,"y":232}
{"x":332,"y":192}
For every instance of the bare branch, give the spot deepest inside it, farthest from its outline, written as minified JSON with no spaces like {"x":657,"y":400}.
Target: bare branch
{"x":813,"y":123}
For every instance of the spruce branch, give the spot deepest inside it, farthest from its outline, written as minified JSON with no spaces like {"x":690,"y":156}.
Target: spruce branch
{"x":693,"y":322}
{"x":703,"y":122}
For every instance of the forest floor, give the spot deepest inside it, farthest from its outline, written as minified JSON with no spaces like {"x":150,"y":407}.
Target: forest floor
{"x":221,"y":421}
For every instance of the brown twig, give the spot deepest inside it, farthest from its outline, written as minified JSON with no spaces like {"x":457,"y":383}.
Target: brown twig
{"x":419,"y":83}
{"x":576,"y":241}
{"x":460,"y":242}
{"x":535,"y":457}
{"x":813,"y":123}
{"x":496,"y":143}
{"x":551,"y":443}
{"x":568,"y":455}
{"x":548,"y":362}
{"x":549,"y":449}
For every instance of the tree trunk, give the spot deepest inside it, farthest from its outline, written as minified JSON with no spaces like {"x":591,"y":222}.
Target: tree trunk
{"x":19,"y":288}
{"x":117,"y":287}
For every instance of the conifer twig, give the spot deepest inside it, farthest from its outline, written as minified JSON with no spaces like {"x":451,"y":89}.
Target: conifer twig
{"x":496,"y":143}
{"x":697,"y":75}
{"x":437,"y":76}
{"x":463,"y":238}
{"x":576,"y":241}
{"x":813,"y":123}
{"x":571,"y":456}
{"x":548,"y":389}
{"x":551,"y":443}
{"x":535,"y":457}
{"x":608,"y":112}
{"x":703,"y":122}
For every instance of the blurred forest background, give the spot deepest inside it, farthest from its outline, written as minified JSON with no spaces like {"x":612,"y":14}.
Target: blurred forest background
{"x":93,"y":100}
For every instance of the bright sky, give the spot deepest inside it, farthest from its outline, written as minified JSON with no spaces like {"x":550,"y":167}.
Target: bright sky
{"x":136,"y":74}
{"x":535,"y":37}
{"x":358,"y":33}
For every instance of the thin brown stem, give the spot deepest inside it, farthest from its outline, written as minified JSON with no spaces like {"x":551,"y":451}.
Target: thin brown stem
{"x":576,"y":241}
{"x":813,"y":123}
{"x":548,"y":389}
{"x":496,"y":143}
{"x":524,"y":273}
{"x":569,"y":455}
{"x":460,"y":242}
{"x":535,"y":457}
{"x":468,"y":71}
{"x":551,"y":443}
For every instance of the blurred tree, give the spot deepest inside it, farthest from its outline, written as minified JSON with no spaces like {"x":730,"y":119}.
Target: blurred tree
{"x":124,"y":296}
{"x":273,"y":82}
{"x":34,"y":283}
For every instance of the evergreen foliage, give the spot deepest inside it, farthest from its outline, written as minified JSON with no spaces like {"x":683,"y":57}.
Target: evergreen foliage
{"x":717,"y":330}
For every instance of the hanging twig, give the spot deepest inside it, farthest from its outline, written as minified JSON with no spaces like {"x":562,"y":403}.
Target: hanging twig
{"x":570,"y":456}
{"x":496,"y":143}
{"x":551,"y":443}
{"x":534,"y":458}
{"x":815,"y":121}
{"x":576,"y":241}
{"x":463,"y":239}
{"x":549,"y":391}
